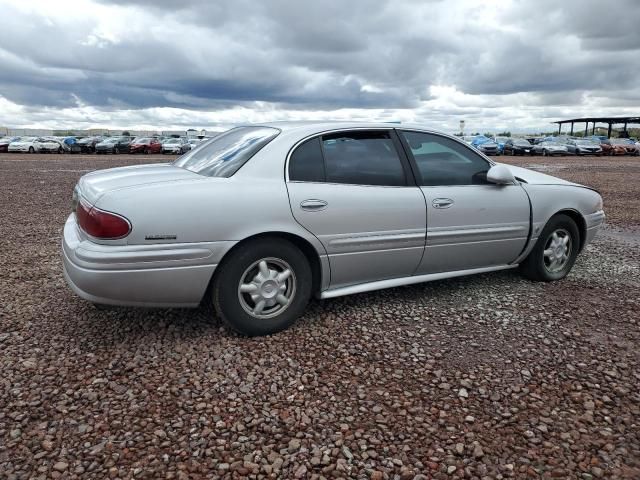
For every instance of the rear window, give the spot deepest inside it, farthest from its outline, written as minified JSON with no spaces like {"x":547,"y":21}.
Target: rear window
{"x":224,"y":154}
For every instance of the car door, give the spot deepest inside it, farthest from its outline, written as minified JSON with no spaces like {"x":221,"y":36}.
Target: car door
{"x":471,"y":223}
{"x":354,"y":191}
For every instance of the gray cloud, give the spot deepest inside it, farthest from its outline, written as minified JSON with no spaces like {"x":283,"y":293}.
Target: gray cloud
{"x":128,"y":55}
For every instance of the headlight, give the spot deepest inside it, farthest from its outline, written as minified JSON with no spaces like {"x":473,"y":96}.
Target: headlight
{"x":599,"y":204}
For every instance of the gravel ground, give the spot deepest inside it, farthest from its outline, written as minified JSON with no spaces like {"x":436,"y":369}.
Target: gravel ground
{"x":481,"y":377}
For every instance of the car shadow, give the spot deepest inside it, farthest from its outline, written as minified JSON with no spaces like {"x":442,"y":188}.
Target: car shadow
{"x":89,"y":326}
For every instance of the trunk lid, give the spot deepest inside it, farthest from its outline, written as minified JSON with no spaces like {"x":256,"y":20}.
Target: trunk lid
{"x":95,"y":184}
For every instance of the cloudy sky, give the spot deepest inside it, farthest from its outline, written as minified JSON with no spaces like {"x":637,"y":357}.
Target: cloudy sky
{"x":500,"y":64}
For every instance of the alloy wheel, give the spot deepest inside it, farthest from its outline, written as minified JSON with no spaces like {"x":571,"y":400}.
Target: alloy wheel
{"x":267,"y":288}
{"x":557,"y":250}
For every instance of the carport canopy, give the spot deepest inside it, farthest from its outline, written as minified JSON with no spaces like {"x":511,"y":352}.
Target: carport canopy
{"x":610,"y":121}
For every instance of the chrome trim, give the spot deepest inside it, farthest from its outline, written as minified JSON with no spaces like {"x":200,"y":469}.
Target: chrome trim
{"x":443,"y":232}
{"x":398,"y":282}
{"x":374,"y":239}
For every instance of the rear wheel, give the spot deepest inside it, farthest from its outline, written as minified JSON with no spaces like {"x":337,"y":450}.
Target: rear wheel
{"x":31,"y":150}
{"x":262,"y":287}
{"x":555,"y":251}
{"x":59,"y":150}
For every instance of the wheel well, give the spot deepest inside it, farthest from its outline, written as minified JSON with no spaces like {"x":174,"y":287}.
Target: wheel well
{"x":307,"y":249}
{"x":580,"y":222}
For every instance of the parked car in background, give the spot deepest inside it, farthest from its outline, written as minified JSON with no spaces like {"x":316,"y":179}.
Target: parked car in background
{"x":113,"y":145}
{"x":26,"y":145}
{"x":605,"y":145}
{"x":176,"y":146}
{"x":548,"y":148}
{"x":52,"y":145}
{"x":88,"y":144}
{"x":583,"y":147}
{"x":145,"y":145}
{"x":629,"y":146}
{"x":501,"y":142}
{"x":517,"y":146}
{"x":194,"y":142}
{"x":485,"y":145}
{"x":5,"y":141}
{"x":148,"y":235}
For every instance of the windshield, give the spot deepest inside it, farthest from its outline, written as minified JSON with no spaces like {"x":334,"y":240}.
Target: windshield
{"x":111,"y":140}
{"x":522,"y":142}
{"x":172,"y":140}
{"x":501,"y":139}
{"x":223,"y":155}
{"x":585,"y":142}
{"x":141,"y":141}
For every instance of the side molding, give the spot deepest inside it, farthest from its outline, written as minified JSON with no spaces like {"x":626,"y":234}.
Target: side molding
{"x":398,"y":282}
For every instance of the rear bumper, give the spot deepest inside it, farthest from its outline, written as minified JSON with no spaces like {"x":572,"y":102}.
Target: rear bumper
{"x":155,"y":275}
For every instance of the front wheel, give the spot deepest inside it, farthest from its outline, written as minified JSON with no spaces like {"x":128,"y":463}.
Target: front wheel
{"x":555,"y":251}
{"x":262,"y":287}
{"x":32,"y":150}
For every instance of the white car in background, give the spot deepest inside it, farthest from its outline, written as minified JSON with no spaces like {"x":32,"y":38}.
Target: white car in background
{"x":176,"y":146}
{"x":27,"y":145}
{"x":52,"y":145}
{"x":194,"y":142}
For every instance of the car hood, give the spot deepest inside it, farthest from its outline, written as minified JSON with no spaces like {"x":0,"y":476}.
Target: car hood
{"x":537,"y":178}
{"x":95,"y":184}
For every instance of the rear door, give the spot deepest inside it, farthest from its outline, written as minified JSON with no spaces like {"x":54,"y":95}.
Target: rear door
{"x":354,"y":191}
{"x":471,"y":223}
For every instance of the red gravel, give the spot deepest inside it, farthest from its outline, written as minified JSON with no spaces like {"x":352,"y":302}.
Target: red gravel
{"x":490,"y":376}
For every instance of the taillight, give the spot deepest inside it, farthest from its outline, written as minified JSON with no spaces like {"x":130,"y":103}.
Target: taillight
{"x":101,"y":224}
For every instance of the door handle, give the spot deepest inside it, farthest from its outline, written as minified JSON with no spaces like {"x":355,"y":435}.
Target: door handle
{"x":442,"y":202}
{"x":313,"y":205}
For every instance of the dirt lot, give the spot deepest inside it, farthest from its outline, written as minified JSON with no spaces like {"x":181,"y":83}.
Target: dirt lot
{"x":482,"y":377}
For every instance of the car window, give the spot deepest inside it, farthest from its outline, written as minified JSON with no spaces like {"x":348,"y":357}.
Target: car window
{"x":224,"y":154}
{"x":443,"y":161}
{"x":362,"y":158}
{"x":306,"y":163}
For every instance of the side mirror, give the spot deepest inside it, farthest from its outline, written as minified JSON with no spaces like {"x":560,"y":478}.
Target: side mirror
{"x":500,"y":175}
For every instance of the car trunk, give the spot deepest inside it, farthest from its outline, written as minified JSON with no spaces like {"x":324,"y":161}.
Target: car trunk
{"x":93,"y":185}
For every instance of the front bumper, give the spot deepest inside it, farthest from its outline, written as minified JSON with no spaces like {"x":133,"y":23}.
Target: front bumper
{"x":154,"y":275}
{"x":593,"y":222}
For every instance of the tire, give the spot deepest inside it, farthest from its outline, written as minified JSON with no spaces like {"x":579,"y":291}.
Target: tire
{"x":32,"y":150}
{"x":542,"y":268}
{"x":243,"y":266}
{"x":145,"y":151}
{"x":545,"y":153}
{"x":59,"y":150}
{"x":114,"y":151}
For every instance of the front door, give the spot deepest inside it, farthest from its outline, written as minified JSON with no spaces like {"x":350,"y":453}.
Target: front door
{"x":352,"y":190}
{"x":471,"y":222}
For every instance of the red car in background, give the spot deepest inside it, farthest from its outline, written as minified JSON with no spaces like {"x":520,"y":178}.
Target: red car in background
{"x":145,"y":145}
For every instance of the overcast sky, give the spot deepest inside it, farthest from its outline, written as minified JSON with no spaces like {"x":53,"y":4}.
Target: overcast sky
{"x":502,"y":64}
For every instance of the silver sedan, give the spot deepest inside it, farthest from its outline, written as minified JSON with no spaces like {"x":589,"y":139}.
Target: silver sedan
{"x":258,"y":219}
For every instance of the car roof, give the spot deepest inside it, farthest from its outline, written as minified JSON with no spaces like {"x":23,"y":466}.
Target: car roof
{"x":307,"y":128}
